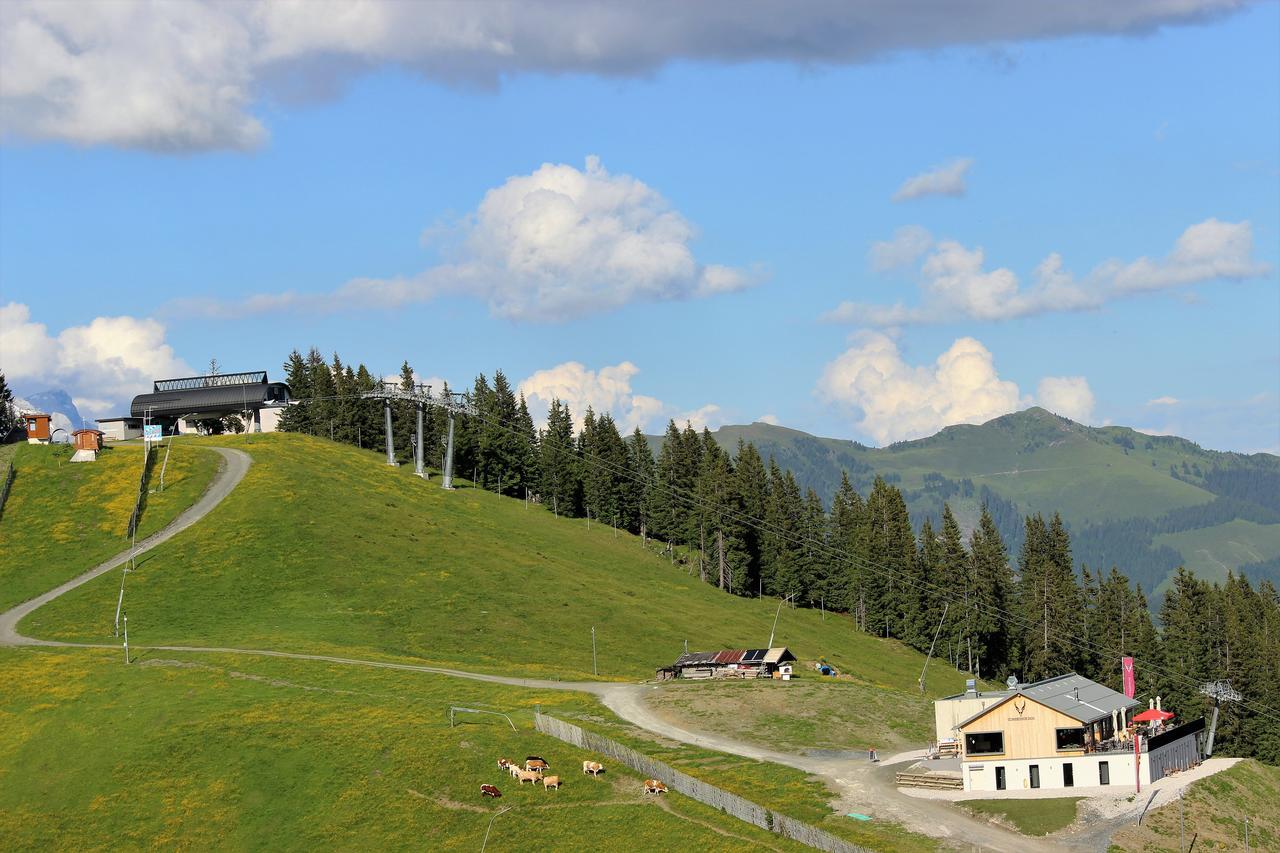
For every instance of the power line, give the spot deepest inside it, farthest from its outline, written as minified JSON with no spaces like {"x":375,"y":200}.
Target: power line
{"x":691,"y":499}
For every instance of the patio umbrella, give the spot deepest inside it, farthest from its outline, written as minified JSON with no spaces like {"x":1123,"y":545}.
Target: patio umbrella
{"x":1152,"y":714}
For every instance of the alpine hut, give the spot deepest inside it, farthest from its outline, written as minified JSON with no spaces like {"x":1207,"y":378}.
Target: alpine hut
{"x":734,"y":663}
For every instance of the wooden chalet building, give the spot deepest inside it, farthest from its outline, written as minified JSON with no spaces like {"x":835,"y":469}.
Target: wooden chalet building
{"x":1062,"y":732}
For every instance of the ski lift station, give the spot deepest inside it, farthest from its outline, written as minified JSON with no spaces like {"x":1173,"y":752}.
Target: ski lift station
{"x":1062,"y":732}
{"x":179,"y":405}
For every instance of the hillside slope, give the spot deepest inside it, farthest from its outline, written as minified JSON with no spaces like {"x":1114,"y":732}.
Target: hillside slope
{"x":1145,"y":503}
{"x":323,"y":549}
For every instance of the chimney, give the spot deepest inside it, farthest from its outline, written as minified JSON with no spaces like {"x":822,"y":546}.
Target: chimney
{"x":971,"y":687}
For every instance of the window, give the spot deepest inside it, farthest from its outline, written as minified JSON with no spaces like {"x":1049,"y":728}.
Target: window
{"x":1071,"y":738}
{"x":1035,"y":775}
{"x":1104,"y":773}
{"x":984,"y":743}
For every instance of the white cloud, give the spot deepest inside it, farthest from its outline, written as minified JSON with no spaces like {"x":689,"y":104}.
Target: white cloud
{"x":606,"y":390}
{"x":1164,"y":401}
{"x":955,"y":282}
{"x":104,"y":363}
{"x":185,"y":75}
{"x":1068,"y":396}
{"x":772,"y":420}
{"x":906,"y":247}
{"x":947,"y":180}
{"x":895,"y":400}
{"x":552,"y":245}
{"x":709,"y":416}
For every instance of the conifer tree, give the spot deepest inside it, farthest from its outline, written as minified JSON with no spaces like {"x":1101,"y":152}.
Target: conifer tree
{"x":751,"y":486}
{"x":297,"y":417}
{"x":989,"y":598}
{"x":557,"y":461}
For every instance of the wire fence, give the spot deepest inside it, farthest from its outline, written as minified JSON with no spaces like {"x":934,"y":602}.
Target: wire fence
{"x":8,"y":483}
{"x":696,"y":789}
{"x":141,"y":501}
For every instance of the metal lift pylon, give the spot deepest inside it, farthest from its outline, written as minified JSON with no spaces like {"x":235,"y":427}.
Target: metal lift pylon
{"x":421,"y":397}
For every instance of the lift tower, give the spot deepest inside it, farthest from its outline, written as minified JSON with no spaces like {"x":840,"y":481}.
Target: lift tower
{"x":421,"y":397}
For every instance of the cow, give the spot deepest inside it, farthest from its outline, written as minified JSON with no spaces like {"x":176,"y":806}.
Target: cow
{"x":551,"y":782}
{"x":490,"y":791}
{"x":592,"y":767}
{"x":534,"y":776}
{"x":653,"y":786}
{"x":504,"y":764}
{"x":536,"y":764}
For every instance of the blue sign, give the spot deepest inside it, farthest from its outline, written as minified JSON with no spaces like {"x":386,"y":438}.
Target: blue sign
{"x":152,"y":432}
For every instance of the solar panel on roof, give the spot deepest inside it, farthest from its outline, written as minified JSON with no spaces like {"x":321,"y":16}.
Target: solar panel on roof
{"x":754,"y":655}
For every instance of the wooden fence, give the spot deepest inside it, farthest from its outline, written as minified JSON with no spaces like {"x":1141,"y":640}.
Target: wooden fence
{"x":8,"y":482}
{"x":696,"y":789}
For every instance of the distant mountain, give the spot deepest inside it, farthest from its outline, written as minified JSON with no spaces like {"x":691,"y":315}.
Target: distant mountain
{"x":55,"y":400}
{"x":1146,"y":504}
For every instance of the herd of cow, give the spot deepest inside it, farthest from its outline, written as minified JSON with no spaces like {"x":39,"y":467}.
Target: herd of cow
{"x":534,"y":771}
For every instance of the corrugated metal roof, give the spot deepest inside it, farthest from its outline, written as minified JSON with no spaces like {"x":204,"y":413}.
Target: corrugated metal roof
{"x":1074,"y":695}
{"x":228,"y":398}
{"x":730,"y":656}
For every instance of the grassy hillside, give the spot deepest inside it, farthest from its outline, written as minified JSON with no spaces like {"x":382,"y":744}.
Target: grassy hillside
{"x":323,"y":549}
{"x":1119,"y":491}
{"x":1214,"y":811}
{"x":215,"y":753}
{"x":64,"y":518}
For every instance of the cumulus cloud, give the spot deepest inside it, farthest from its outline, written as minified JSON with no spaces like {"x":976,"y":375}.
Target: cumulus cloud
{"x":955,"y":282}
{"x":772,"y":420}
{"x":552,"y":245}
{"x":945,"y":180}
{"x":606,"y":390}
{"x":185,"y":75}
{"x":906,"y":247}
{"x":1069,"y":396}
{"x":895,"y":400}
{"x":102,"y":364}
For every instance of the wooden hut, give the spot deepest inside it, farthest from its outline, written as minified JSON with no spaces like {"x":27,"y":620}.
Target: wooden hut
{"x":733,"y":663}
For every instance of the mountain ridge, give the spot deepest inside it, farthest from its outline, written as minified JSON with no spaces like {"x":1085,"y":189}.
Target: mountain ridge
{"x":1145,"y":503}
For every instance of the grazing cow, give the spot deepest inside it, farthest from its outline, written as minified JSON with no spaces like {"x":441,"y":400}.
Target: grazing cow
{"x":534,"y":776}
{"x":490,"y":791}
{"x":592,"y":767}
{"x":653,"y":786}
{"x":504,"y":764}
{"x":536,"y":764}
{"x":551,"y":782}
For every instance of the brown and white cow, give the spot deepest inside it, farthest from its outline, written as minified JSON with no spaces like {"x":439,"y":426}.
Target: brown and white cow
{"x":490,"y":791}
{"x":653,"y":786}
{"x":504,"y":764}
{"x":592,"y":767}
{"x":533,"y":762}
{"x":551,"y":782}
{"x":534,"y":776}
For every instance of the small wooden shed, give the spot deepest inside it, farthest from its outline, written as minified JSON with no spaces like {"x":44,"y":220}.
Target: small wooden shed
{"x":37,"y":426}
{"x":88,"y":439}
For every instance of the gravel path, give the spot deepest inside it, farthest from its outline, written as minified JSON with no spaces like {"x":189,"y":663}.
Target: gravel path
{"x":234,"y":466}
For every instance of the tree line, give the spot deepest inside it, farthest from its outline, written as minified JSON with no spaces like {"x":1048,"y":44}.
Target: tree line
{"x":743,"y":524}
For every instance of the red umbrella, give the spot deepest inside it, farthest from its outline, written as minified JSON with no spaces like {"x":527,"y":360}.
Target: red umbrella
{"x":1151,"y":714}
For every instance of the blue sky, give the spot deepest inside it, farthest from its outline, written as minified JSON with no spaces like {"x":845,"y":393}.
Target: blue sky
{"x":733,"y":210}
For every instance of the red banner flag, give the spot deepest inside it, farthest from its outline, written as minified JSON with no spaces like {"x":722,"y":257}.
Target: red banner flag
{"x":1129,"y":687}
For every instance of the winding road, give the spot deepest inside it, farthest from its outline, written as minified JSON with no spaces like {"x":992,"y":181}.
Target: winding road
{"x":861,"y":786}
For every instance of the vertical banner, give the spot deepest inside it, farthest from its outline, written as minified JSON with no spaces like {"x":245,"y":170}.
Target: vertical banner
{"x":1129,"y":687}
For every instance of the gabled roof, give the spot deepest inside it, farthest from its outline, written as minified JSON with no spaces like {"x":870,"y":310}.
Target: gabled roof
{"x":1073,"y":695}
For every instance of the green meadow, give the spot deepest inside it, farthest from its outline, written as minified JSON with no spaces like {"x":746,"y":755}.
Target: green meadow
{"x":62,"y":518}
{"x":322,"y":549}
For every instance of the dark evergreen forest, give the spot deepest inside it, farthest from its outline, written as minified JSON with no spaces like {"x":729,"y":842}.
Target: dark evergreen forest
{"x":1010,"y":598}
